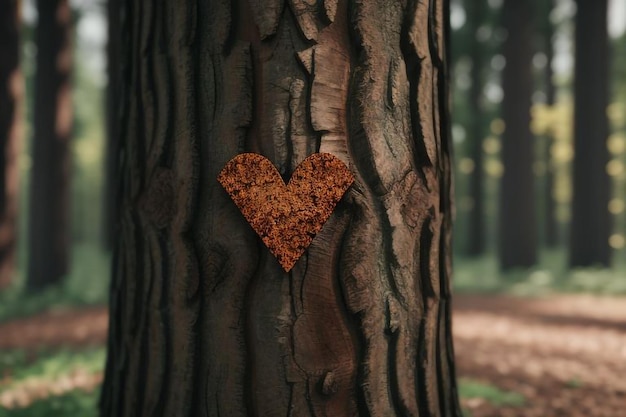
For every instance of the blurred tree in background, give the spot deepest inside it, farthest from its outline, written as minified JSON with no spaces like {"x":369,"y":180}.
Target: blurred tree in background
{"x":11,"y":90}
{"x":479,"y":54}
{"x":539,"y":164}
{"x":517,"y":220}
{"x":49,"y":230}
{"x":591,"y":221}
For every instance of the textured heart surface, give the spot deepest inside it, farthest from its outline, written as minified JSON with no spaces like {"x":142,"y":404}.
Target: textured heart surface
{"x":286,"y":217}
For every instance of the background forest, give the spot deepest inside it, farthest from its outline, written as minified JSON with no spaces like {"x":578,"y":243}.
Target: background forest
{"x":540,"y":233}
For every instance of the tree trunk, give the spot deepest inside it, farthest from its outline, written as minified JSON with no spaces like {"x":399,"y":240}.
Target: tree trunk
{"x":10,"y":98}
{"x":204,"y":321}
{"x":50,"y":181}
{"x":476,"y":234}
{"x":112,"y":126}
{"x":591,"y":221}
{"x":518,"y":234}
{"x":551,"y":233}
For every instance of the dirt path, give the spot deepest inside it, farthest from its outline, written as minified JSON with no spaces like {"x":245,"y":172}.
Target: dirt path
{"x":84,"y":327}
{"x":565,"y":354}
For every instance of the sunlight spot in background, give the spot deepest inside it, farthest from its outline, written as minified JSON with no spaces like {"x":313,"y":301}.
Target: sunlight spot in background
{"x":497,"y":126}
{"x":498,"y":62}
{"x":615,"y":113}
{"x":615,"y":167}
{"x":617,"y":241}
{"x":540,"y":60}
{"x":562,"y":152}
{"x":91,"y":34}
{"x":458,"y":134}
{"x":457,"y":15}
{"x":463,"y":81}
{"x":617,"y":18}
{"x":29,"y":11}
{"x":561,"y":16}
{"x":562,"y":194}
{"x":616,"y":206}
{"x":616,"y":143}
{"x":539,"y":97}
{"x":564,"y":10}
{"x":493,"y":92}
{"x":466,"y":165}
{"x":495,"y":4}
{"x":491,"y":145}
{"x":563,"y":61}
{"x":494,"y":168}
{"x":484,"y":33}
{"x":24,"y":161}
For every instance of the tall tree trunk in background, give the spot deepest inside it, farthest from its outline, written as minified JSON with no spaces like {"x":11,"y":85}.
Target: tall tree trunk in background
{"x":204,"y":321}
{"x":517,"y":234}
{"x":49,"y":199}
{"x":110,"y":224}
{"x":476,"y":235}
{"x":591,"y":221}
{"x":551,"y":233}
{"x":11,"y":90}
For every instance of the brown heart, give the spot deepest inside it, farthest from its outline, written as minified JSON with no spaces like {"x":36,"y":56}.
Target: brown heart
{"x":286,"y":217}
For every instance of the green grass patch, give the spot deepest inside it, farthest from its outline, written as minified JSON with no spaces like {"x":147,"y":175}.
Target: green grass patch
{"x":19,"y":369}
{"x":73,"y":404}
{"x":549,"y":276}
{"x":87,"y":284}
{"x":574,"y":383}
{"x":469,"y":388}
{"x":16,"y":366}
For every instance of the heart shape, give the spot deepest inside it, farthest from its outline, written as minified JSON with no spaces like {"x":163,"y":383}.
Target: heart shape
{"x":286,"y":217}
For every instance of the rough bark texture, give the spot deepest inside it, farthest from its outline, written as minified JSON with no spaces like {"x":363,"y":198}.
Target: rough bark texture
{"x":476,"y":238}
{"x":518,"y":234}
{"x":49,"y":200}
{"x":10,"y":98}
{"x":204,"y":321}
{"x":591,"y":221}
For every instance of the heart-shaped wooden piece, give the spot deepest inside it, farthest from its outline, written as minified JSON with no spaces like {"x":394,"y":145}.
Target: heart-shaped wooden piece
{"x":286,"y":217}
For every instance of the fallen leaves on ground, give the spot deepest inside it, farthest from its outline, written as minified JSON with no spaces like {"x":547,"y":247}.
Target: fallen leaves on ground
{"x":84,"y":327}
{"x":34,"y":389}
{"x":565,"y":354}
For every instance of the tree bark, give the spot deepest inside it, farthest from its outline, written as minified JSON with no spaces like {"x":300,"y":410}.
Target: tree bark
{"x":204,"y":321}
{"x":518,"y":234}
{"x":591,"y":221}
{"x":50,"y":181}
{"x":11,"y":90}
{"x":476,"y":235}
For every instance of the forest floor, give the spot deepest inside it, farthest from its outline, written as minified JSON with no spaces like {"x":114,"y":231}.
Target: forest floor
{"x":566,"y":355}
{"x":545,"y":357}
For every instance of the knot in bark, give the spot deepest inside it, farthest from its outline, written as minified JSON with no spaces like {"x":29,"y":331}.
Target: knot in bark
{"x":328,"y":384}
